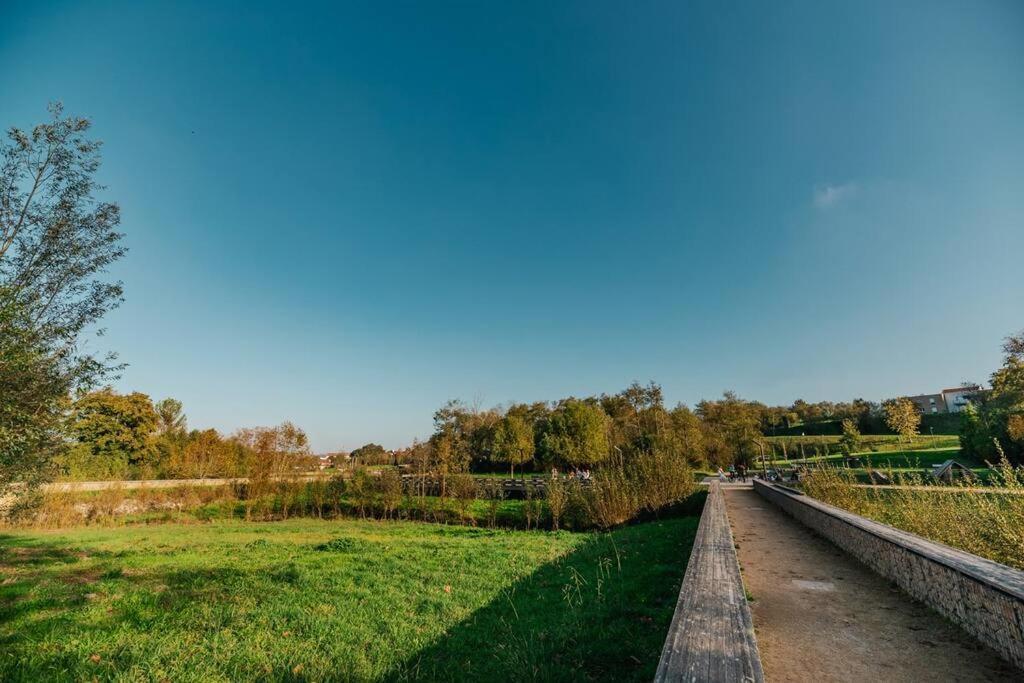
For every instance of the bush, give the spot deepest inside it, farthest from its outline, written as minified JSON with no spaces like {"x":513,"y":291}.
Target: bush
{"x":463,"y":489}
{"x":989,"y":524}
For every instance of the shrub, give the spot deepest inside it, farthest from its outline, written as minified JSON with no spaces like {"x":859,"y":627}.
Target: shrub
{"x":463,"y":489}
{"x":989,"y":524}
{"x":390,"y":486}
{"x":360,"y":490}
{"x":558,"y":500}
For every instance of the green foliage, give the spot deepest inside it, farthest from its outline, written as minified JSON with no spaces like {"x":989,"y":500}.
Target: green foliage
{"x":111,"y":424}
{"x":370,"y":454}
{"x":56,"y":241}
{"x":513,"y":441}
{"x":576,"y":434}
{"x":731,"y":426}
{"x":995,"y":422}
{"x":850,"y":440}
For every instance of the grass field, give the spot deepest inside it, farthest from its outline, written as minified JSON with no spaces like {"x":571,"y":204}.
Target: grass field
{"x":337,"y":600}
{"x":869,"y":443}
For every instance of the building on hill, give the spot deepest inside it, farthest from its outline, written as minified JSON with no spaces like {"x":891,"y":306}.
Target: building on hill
{"x":958,"y":398}
{"x":929,"y":403}
{"x":946,"y":401}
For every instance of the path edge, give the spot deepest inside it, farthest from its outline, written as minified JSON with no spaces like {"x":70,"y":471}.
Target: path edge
{"x":711,"y":637}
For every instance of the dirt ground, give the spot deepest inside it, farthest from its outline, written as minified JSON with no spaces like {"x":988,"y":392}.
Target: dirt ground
{"x":821,"y":616}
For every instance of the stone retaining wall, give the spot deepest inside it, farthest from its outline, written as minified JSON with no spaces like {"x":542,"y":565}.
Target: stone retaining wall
{"x":711,"y":637}
{"x":984,"y":597}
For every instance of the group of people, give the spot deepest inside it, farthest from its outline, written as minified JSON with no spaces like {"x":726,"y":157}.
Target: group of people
{"x":735,"y":472}
{"x":576,"y":473}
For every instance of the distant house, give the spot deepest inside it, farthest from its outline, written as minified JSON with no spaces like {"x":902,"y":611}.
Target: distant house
{"x":929,"y":403}
{"x":958,"y":398}
{"x":946,"y":401}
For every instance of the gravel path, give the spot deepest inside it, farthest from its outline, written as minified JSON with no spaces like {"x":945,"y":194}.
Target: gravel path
{"x":819,"y":615}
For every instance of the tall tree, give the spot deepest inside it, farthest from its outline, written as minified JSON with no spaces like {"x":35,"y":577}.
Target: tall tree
{"x":577,"y":434}
{"x":56,"y":242}
{"x":170,"y":416}
{"x":513,"y":442}
{"x":902,"y":417}
{"x":116,"y":425}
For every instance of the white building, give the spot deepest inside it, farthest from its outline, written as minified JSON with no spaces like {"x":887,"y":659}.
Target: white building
{"x":958,"y":398}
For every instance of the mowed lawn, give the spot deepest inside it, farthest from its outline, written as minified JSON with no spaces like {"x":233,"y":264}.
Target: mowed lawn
{"x":337,"y":600}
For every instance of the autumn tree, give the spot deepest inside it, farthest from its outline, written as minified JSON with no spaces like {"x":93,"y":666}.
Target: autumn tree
{"x":57,"y":240}
{"x":730,"y":425}
{"x":902,"y":417}
{"x":513,"y":442}
{"x":206,"y":454}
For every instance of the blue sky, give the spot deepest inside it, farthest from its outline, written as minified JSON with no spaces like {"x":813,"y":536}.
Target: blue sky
{"x":345,"y":214}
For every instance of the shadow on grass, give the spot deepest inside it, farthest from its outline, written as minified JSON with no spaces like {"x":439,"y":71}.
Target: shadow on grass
{"x":600,"y":613}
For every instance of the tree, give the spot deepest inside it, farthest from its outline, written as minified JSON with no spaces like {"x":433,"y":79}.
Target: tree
{"x":577,"y":434}
{"x":730,"y":426}
{"x":513,"y":442}
{"x":113,"y":425}
{"x":206,"y":454}
{"x":850,"y":440}
{"x":1002,"y":411}
{"x":902,"y":417}
{"x":272,"y":452}
{"x":170,"y":418}
{"x":56,"y":242}
{"x":370,"y":454}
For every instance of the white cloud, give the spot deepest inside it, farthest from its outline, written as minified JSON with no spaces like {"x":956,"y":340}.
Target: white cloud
{"x":827,"y":196}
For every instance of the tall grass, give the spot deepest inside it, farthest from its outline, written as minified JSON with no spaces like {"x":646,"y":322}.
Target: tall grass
{"x":615,"y":495}
{"x":989,"y":524}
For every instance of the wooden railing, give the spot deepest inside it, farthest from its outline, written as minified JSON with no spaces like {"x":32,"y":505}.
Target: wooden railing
{"x":711,"y":637}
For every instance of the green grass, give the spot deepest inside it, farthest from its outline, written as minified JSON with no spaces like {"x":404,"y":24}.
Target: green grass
{"x":337,"y":600}
{"x":869,"y":443}
{"x":897,"y":460}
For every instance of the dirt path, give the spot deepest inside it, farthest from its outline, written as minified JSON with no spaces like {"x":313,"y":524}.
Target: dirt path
{"x":821,"y":616}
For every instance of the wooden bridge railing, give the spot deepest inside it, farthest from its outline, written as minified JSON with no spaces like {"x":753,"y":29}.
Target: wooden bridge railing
{"x":711,"y":637}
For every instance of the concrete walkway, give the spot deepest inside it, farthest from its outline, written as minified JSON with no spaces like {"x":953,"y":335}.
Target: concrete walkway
{"x":819,"y":615}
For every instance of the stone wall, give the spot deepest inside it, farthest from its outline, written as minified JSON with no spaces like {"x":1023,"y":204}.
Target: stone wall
{"x":984,"y":597}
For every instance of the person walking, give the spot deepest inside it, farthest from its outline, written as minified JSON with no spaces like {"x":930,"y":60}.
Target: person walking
{"x":721,"y":475}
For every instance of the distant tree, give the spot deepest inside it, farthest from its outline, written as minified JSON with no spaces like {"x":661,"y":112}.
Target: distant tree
{"x":513,"y":442}
{"x":56,"y":241}
{"x":577,"y":434}
{"x":170,"y":417}
{"x":115,"y":425}
{"x":272,"y":451}
{"x":850,"y":440}
{"x":688,"y":435}
{"x":206,"y":454}
{"x":731,"y":425}
{"x":902,"y":417}
{"x":370,"y":454}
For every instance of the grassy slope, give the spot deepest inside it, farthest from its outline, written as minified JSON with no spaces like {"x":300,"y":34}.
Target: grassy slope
{"x":234,"y":600}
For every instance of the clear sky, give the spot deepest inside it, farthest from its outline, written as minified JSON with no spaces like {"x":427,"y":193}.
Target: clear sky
{"x":345,"y":214}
